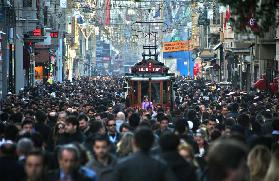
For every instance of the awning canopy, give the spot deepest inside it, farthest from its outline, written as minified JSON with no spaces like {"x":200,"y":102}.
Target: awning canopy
{"x":207,"y":55}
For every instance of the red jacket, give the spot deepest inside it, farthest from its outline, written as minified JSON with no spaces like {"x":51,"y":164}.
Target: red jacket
{"x":260,"y":84}
{"x":274,"y":86}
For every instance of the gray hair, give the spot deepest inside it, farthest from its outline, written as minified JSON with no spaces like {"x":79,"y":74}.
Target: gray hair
{"x":24,"y":146}
{"x":69,"y":147}
{"x":120,"y":116}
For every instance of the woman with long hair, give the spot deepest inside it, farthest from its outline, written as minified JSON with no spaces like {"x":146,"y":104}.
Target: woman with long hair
{"x":187,"y":152}
{"x":59,"y":130}
{"x":272,"y":172}
{"x":258,"y":161}
{"x":125,"y":145}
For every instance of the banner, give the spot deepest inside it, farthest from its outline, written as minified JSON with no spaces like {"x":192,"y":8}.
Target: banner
{"x":1,"y":46}
{"x":63,"y":3}
{"x":177,"y":46}
{"x":107,"y":17}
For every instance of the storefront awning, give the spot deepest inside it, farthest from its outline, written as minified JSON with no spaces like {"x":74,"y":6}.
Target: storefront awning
{"x":207,"y":55}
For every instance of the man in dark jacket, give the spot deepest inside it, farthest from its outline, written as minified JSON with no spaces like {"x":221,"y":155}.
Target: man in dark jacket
{"x":164,"y":125}
{"x":182,"y":169}
{"x":141,"y":166}
{"x":10,"y":169}
{"x":72,"y":133}
{"x":84,"y":125}
{"x":69,"y":168}
{"x":103,"y":163}
{"x":41,"y":126}
{"x":113,"y":135}
{"x":35,"y":166}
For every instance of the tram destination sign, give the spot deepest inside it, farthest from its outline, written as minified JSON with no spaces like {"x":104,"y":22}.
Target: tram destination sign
{"x":146,"y":69}
{"x":149,"y":68}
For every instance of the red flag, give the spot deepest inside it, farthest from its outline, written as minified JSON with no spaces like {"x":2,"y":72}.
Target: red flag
{"x":228,"y":16}
{"x":107,"y":19}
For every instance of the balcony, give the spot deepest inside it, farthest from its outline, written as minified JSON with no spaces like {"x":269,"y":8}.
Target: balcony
{"x":214,"y":29}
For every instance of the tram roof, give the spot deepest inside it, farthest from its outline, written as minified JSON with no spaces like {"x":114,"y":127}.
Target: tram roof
{"x":151,"y":78}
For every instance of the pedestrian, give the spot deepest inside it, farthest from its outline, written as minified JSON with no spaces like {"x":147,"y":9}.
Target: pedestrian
{"x":272,"y":172}
{"x":164,"y":126}
{"x":125,"y":145}
{"x":113,"y":135}
{"x":72,"y":133}
{"x":258,"y":162}
{"x":35,"y":166}
{"x":103,"y":163}
{"x":84,"y":126}
{"x":119,"y":120}
{"x":186,"y":151}
{"x":227,"y":161}
{"x":140,"y":165}
{"x":10,"y":168}
{"x":182,"y":169}
{"x":69,"y":168}
{"x":24,"y":146}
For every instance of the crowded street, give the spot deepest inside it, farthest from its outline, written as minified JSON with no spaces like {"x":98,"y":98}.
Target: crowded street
{"x":85,"y":129}
{"x":139,"y":90}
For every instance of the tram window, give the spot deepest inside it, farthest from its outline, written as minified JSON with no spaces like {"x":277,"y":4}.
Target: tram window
{"x":155,"y":92}
{"x":144,"y":90}
{"x":135,"y":94}
{"x":165,"y":92}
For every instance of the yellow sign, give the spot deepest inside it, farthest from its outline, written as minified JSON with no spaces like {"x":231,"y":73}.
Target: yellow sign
{"x":177,"y":46}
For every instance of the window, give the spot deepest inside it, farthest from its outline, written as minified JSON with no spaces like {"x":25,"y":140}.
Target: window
{"x":27,"y":3}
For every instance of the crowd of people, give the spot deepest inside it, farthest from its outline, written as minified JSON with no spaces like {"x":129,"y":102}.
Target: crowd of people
{"x":84,"y":130}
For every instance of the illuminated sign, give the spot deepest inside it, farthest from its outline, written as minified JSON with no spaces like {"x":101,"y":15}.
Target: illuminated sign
{"x":146,"y":69}
{"x":149,"y":68}
{"x":54,"y":34}
{"x":37,"y":32}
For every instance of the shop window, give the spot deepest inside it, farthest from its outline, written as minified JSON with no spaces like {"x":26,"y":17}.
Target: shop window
{"x":27,"y":3}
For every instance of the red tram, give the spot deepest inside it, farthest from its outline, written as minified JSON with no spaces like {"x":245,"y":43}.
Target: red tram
{"x":150,"y":79}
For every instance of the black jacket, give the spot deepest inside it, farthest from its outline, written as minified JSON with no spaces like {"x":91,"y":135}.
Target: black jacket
{"x":55,"y":176}
{"x":44,"y":130}
{"x":142,"y":167}
{"x":104,"y":172}
{"x":10,"y":169}
{"x":181,"y":168}
{"x":71,"y":138}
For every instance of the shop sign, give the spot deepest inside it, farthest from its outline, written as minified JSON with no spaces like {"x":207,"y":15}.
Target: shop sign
{"x":37,"y":32}
{"x":177,"y":46}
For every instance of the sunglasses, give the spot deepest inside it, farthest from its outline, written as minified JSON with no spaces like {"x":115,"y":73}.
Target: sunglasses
{"x":110,"y":125}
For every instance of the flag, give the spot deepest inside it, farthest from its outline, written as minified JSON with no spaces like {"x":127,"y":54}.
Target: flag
{"x":107,"y":19}
{"x":157,"y":13}
{"x":252,"y":23}
{"x":127,"y":16}
{"x":228,"y":16}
